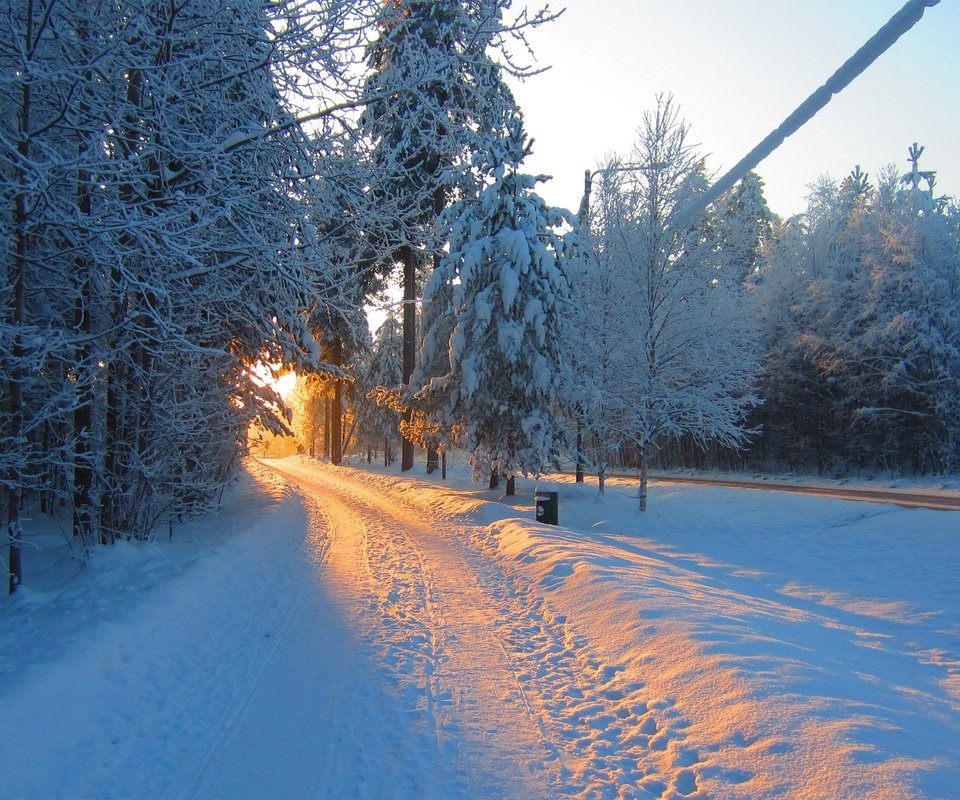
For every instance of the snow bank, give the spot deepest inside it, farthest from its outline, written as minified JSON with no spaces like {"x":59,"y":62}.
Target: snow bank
{"x":777,"y":640}
{"x":746,"y":644}
{"x":115,"y":682}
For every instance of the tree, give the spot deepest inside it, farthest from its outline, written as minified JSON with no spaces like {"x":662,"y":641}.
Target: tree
{"x":747,"y":224}
{"x":381,"y":372}
{"x":503,"y":282}
{"x":686,"y":362}
{"x":435,"y":95}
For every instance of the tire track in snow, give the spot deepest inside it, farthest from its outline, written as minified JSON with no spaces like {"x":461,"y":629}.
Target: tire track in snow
{"x":608,"y":733}
{"x":607,"y":728}
{"x":292,"y":730}
{"x":601,"y":733}
{"x":429,"y":620}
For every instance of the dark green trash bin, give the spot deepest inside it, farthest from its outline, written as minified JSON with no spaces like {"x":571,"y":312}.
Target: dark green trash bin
{"x":548,"y":507}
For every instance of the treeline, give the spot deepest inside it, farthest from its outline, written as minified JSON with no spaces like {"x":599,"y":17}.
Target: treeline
{"x":169,"y":221}
{"x":858,"y":300}
{"x":194,"y":190}
{"x":827,"y":343}
{"x":860,"y":303}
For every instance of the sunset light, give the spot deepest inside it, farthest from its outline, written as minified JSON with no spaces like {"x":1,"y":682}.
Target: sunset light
{"x":344,"y":452}
{"x":280,"y":380}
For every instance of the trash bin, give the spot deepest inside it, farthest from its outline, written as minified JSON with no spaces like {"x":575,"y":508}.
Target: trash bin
{"x":548,"y":505}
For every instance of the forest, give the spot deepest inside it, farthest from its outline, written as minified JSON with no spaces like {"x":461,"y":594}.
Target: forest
{"x":196,"y":192}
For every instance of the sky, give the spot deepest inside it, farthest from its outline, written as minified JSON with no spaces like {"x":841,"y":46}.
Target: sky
{"x":737,"y":69}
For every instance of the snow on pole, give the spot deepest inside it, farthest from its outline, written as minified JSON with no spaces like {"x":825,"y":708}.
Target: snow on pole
{"x":899,"y":24}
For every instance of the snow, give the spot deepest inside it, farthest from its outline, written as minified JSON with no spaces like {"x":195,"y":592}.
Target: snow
{"x":356,"y":633}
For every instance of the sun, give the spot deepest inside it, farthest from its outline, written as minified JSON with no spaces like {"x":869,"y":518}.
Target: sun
{"x":282,"y":382}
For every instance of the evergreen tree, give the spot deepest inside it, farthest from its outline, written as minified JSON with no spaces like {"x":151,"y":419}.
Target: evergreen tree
{"x":503,"y":282}
{"x":381,"y":372}
{"x":436,"y":95}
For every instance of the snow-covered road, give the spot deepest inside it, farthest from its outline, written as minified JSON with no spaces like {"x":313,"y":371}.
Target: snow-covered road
{"x":399,"y":639}
{"x":489,"y":692}
{"x":345,"y":633}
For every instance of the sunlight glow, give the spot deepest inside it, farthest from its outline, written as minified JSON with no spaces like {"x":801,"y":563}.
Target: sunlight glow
{"x":282,"y":383}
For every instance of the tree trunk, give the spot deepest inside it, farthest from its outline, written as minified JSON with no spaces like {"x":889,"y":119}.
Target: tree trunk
{"x":433,"y":458}
{"x":511,"y":486}
{"x":643,"y":456}
{"x":326,"y":424}
{"x":336,"y":424}
{"x":336,"y":415}
{"x":443,"y":465}
{"x":348,"y":437}
{"x":17,"y":313}
{"x":579,"y":472}
{"x":15,"y":389}
{"x":82,"y":415}
{"x":409,"y":259}
{"x":494,"y":478}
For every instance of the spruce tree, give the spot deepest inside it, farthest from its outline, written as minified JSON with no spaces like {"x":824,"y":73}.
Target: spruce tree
{"x":503,"y":282}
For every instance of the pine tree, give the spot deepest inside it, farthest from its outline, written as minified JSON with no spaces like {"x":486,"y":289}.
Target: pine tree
{"x":435,"y":96}
{"x":503,"y":282}
{"x":379,"y":374}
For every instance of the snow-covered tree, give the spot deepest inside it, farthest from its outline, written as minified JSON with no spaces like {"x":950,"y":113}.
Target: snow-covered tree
{"x":436,"y":95}
{"x":861,"y":357}
{"x":161,"y":235}
{"x":503,"y":282}
{"x":747,"y":224}
{"x":685,"y":357}
{"x":378,"y":424}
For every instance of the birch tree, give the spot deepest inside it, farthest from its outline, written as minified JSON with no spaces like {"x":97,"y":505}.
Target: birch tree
{"x":687,"y":364}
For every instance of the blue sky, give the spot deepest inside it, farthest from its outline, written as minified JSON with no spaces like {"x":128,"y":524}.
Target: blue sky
{"x":737,"y":68}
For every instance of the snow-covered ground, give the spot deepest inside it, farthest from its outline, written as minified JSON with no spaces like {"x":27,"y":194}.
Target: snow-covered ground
{"x":354,"y":633}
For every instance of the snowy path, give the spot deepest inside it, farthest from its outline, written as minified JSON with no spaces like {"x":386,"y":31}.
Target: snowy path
{"x":417,"y":657}
{"x":493,"y":688}
{"x":344,"y":633}
{"x":493,"y":693}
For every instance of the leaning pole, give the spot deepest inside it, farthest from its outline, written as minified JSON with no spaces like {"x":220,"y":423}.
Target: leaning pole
{"x":880,"y":42}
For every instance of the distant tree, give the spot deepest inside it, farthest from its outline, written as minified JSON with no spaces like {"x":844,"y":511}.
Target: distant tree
{"x":860,"y":298}
{"x":747,"y":224}
{"x":381,"y":372}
